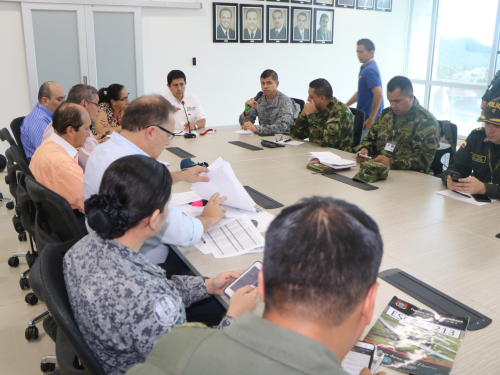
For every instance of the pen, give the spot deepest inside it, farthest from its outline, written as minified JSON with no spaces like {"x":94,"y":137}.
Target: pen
{"x":378,"y":363}
{"x":203,"y":239}
{"x":462,"y":194}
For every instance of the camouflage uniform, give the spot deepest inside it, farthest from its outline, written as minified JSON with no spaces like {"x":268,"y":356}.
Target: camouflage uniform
{"x":371,"y":171}
{"x":122,"y":303}
{"x":417,"y":138}
{"x":473,"y":157}
{"x":332,"y":127}
{"x":274,"y":115}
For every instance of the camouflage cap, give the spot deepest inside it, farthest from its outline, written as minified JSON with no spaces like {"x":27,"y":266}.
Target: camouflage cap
{"x":491,"y":113}
{"x":371,"y":171}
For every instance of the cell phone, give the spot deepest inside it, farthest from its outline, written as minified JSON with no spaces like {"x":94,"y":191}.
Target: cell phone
{"x":481,"y":198}
{"x":249,"y":277}
{"x":358,"y":358}
{"x":365,"y":156}
{"x":107,"y":132}
{"x":455,"y":176}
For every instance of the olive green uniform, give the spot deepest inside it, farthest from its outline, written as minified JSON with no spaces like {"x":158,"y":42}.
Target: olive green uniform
{"x":416,"y":135}
{"x":481,"y":158}
{"x":250,"y":346}
{"x":332,"y":127}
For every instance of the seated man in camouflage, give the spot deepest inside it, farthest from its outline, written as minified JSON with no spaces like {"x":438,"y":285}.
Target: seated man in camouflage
{"x":324,"y":119}
{"x":406,"y":135}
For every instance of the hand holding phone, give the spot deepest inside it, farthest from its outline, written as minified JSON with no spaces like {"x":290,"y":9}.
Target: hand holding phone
{"x":365,"y":156}
{"x":455,"y":176}
{"x":249,"y":277}
{"x":360,"y":357}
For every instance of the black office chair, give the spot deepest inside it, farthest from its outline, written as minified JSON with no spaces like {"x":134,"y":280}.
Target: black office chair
{"x":6,"y":136}
{"x":359,"y":120}
{"x":298,"y":106}
{"x":443,"y":157}
{"x":74,"y":356}
{"x":15,"y":126}
{"x":301,"y":104}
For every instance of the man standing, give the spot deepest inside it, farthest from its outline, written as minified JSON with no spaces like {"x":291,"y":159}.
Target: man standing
{"x":223,"y":30}
{"x":369,"y":94}
{"x":50,"y":96}
{"x":54,"y":163}
{"x":279,"y":31}
{"x":185,"y":103}
{"x":479,"y":156}
{"x":274,"y":109}
{"x":323,"y":34}
{"x":324,"y":119}
{"x":301,"y":32}
{"x":252,"y":31}
{"x":319,"y":283}
{"x":406,"y":135}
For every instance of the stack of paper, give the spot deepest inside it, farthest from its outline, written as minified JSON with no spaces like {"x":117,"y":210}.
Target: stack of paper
{"x":244,"y":132}
{"x":331,"y":160}
{"x":463,"y":197}
{"x":224,"y":181}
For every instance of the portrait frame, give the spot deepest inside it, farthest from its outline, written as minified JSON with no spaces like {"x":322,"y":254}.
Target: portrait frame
{"x":283,"y":34}
{"x":233,"y":25}
{"x":325,"y":3}
{"x":381,"y":5}
{"x":318,"y":39}
{"x":363,"y":4}
{"x":305,"y":2}
{"x":244,"y":38}
{"x":294,"y":14}
{"x":280,"y":1}
{"x":345,"y":4}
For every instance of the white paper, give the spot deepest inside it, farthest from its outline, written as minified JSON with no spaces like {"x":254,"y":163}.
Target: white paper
{"x":451,"y":194}
{"x":183,"y":198}
{"x":243,"y":132}
{"x":294,"y":143}
{"x":182,"y":132}
{"x":331,"y":160}
{"x":165,"y":163}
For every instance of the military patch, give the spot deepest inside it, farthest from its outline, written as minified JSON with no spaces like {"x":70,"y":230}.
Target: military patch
{"x":479,"y":158}
{"x":464,"y":144}
{"x":486,"y":139}
{"x":166,"y":311}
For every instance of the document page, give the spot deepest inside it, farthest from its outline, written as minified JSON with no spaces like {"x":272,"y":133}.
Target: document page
{"x":183,"y":198}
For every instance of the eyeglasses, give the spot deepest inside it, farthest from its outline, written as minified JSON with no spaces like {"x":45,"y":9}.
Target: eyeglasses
{"x":171,"y":135}
{"x":96,"y":104}
{"x":124,"y":99}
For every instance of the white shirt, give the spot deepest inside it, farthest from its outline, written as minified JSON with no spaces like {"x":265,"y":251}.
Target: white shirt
{"x":178,"y":228}
{"x":193,"y":109}
{"x":73,"y":152}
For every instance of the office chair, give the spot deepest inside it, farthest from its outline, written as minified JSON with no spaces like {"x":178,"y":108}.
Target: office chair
{"x":359,"y":120}
{"x":6,"y":136}
{"x":15,"y":126}
{"x":443,"y":157}
{"x":74,"y":356}
{"x":298,"y":105}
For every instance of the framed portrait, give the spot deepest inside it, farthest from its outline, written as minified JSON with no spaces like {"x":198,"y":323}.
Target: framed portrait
{"x":225,"y":22}
{"x":326,"y":3}
{"x":251,"y":23}
{"x":302,"y":1}
{"x":277,"y":24}
{"x":344,"y":3}
{"x":323,"y":26}
{"x":383,"y":5}
{"x":364,"y":4}
{"x":300,"y":32}
{"x":281,"y":1}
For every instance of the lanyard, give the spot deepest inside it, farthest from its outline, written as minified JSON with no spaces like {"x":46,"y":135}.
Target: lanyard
{"x":492,"y":171}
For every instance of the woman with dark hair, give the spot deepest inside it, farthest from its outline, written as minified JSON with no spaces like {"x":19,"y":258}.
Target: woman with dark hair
{"x":122,"y":303}
{"x":113,"y":101}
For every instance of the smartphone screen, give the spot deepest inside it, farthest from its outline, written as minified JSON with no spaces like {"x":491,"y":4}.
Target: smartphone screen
{"x":249,"y":277}
{"x":358,"y":358}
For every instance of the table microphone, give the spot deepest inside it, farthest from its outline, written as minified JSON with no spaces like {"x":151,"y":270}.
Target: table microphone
{"x":257,"y":97}
{"x":187,"y":135}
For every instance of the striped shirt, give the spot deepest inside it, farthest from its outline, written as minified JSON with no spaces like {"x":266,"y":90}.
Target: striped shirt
{"x":33,"y":127}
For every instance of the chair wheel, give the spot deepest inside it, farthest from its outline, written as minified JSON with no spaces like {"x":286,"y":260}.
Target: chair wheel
{"x":22,"y":237}
{"x":47,"y":367}
{"x":31,"y":333}
{"x":17,"y":210}
{"x":10,"y":205}
{"x":16,"y":220}
{"x":31,"y":299}
{"x":13,"y":261}
{"x":7,"y":179}
{"x":24,"y":283}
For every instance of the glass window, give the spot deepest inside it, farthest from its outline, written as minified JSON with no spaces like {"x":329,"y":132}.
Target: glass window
{"x":419,"y":92}
{"x":464,"y":38}
{"x":418,"y":51}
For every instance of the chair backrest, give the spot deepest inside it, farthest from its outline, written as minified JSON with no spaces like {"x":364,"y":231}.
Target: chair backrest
{"x":12,"y":169}
{"x":443,"y":157}
{"x":6,"y":136}
{"x":55,"y":222}
{"x":20,"y":160}
{"x":56,"y":298}
{"x":301,"y":104}
{"x":359,"y":120}
{"x":15,"y":126}
{"x":26,"y":206}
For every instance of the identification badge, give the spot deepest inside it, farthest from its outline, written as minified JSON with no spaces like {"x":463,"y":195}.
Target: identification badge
{"x":390,"y":146}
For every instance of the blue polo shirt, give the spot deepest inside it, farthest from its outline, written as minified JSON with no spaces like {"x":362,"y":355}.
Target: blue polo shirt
{"x":33,"y":127}
{"x":369,"y":77}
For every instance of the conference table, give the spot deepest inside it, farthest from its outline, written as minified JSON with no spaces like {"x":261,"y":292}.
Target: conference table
{"x":445,"y":243}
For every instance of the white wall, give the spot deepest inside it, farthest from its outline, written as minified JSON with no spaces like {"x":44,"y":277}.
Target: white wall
{"x":227,"y":74}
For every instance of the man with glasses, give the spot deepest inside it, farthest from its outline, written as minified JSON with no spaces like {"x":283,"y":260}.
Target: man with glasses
{"x":87,"y":97}
{"x":478,"y":159}
{"x":147,"y":127}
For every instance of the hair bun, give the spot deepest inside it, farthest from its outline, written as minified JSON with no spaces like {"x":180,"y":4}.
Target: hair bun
{"x":107,"y":216}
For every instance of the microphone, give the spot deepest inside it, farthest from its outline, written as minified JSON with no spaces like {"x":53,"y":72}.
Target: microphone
{"x":257,"y":97}
{"x":187,"y":135}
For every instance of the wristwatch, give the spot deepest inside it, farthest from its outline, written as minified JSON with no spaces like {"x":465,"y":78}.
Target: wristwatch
{"x":195,"y":127}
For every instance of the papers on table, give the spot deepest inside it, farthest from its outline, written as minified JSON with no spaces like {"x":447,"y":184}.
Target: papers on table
{"x":182,"y":132}
{"x":294,"y":143}
{"x":184,"y":198}
{"x":331,"y":160}
{"x":235,"y":237}
{"x":243,"y":132}
{"x":224,"y":181}
{"x":463,"y":198}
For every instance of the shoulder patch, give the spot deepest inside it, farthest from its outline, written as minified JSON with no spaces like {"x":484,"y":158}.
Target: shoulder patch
{"x":478,"y":129}
{"x":464,"y":144}
{"x":166,"y":311}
